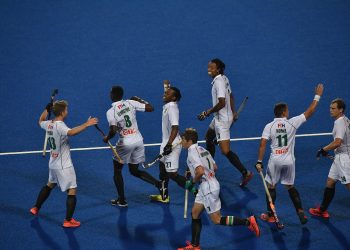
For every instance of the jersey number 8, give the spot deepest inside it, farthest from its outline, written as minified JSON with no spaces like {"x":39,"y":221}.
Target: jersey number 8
{"x":127,"y":121}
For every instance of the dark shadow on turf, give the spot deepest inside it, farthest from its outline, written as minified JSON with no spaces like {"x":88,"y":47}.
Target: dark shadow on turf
{"x":304,"y":242}
{"x":72,"y":240}
{"x":44,"y":237}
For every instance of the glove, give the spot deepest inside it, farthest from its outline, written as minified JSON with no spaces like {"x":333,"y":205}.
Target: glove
{"x":202,"y":115}
{"x":167,"y":149}
{"x":259,"y":166}
{"x":49,"y":107}
{"x":188,"y":174}
{"x":190,"y":186}
{"x":321,"y":152}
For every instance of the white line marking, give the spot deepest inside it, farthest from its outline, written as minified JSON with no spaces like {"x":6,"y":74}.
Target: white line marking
{"x":150,"y":145}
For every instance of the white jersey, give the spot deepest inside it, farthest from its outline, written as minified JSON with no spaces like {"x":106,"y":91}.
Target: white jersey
{"x":170,"y":118}
{"x":221,"y":89}
{"x":123,"y":115}
{"x":281,"y":132}
{"x":341,"y":130}
{"x":199,"y":156}
{"x":57,"y":139}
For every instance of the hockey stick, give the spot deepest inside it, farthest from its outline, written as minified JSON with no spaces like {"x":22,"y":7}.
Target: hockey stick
{"x":186,"y":197}
{"x":241,"y":107}
{"x":279,"y":224}
{"x":54,"y":93}
{"x":166,"y":85}
{"x":160,"y":156}
{"x":116,"y":156}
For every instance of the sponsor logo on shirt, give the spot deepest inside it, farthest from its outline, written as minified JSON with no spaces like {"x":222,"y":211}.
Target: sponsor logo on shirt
{"x":281,"y":151}
{"x":281,"y":125}
{"x":126,"y":132}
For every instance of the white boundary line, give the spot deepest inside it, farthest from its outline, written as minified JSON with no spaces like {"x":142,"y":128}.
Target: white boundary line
{"x":150,"y":145}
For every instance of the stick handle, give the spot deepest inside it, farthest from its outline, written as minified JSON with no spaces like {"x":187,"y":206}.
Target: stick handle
{"x":186,"y":204}
{"x":45,"y":144}
{"x":115,"y":153}
{"x":265,"y":186}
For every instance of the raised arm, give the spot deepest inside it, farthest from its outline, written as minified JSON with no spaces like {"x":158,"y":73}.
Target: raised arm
{"x":311,"y":109}
{"x":82,"y":127}
{"x":148,"y":107}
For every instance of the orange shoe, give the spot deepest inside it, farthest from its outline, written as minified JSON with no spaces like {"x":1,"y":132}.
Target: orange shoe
{"x":71,"y":223}
{"x":318,"y":212}
{"x":246,"y":178}
{"x":34,"y":210}
{"x":253,"y":225}
{"x":189,"y":246}
{"x":266,"y":217}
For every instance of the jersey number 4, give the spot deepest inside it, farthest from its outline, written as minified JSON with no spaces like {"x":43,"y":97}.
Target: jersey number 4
{"x":282,"y":140}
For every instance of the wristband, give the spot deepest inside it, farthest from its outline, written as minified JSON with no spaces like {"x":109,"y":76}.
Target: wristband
{"x":317,"y":98}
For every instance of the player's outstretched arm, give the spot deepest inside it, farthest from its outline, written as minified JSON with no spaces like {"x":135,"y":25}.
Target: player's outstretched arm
{"x":82,"y":127}
{"x":311,"y":109}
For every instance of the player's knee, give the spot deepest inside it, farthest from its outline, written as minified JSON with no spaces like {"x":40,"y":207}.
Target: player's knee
{"x":172,"y":175}
{"x":50,"y":186}
{"x":72,"y":191}
{"x":134,"y":170}
{"x":215,"y":220}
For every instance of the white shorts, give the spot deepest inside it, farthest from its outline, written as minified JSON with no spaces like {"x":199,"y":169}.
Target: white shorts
{"x":340,"y":169}
{"x":210,"y":201}
{"x":280,"y":171}
{"x":222,"y":129}
{"x":133,"y":153}
{"x":171,"y":161}
{"x":65,"y":178}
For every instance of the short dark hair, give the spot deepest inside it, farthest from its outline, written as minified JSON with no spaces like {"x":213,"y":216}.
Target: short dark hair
{"x":117,"y":93}
{"x":219,"y":64}
{"x":59,"y":107}
{"x":279,"y":109}
{"x":190,"y":134}
{"x":177,"y":93}
{"x":340,"y":103}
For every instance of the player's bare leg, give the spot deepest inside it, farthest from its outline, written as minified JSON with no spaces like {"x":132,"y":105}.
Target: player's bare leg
{"x":235,"y":161}
{"x":42,"y":197}
{"x":119,"y":184}
{"x":209,"y":139}
{"x":295,"y":197}
{"x":328,"y":195}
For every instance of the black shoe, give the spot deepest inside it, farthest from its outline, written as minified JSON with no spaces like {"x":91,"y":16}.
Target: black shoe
{"x":119,"y":202}
{"x":302,"y":218}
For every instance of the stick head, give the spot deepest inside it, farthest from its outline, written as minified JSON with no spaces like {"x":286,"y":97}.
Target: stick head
{"x":166,"y":85}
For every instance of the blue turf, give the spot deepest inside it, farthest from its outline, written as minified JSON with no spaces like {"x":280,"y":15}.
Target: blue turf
{"x":274,"y":50}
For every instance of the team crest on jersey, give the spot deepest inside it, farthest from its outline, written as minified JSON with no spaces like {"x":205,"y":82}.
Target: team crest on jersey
{"x":165,"y":111}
